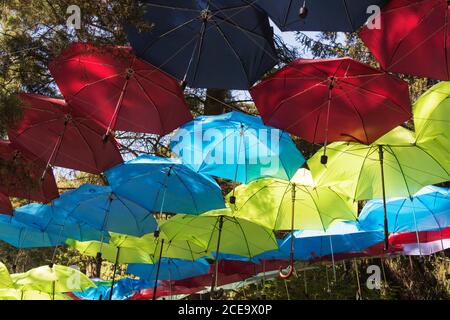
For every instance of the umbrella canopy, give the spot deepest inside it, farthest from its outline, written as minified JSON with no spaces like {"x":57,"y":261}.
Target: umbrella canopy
{"x":318,"y":15}
{"x":324,"y":100}
{"x":5,"y":278}
{"x":51,"y":219}
{"x":354,"y":169}
{"x":21,"y":175}
{"x":170,"y":269}
{"x":428,"y":209}
{"x":55,"y":279}
{"x":272,"y":202}
{"x":121,"y":248}
{"x":341,"y":237}
{"x":238,"y":236}
{"x":432,"y":123}
{"x":113,"y":86}
{"x":106,"y":210}
{"x":165,"y":185}
{"x":238,"y":147}
{"x":59,"y":135}
{"x":5,"y":204}
{"x":207,"y":43}
{"x":16,"y":294}
{"x":413,"y":38}
{"x":23,"y":236}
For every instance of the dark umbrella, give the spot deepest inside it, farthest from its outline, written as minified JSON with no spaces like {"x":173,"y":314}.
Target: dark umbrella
{"x":224,"y":44}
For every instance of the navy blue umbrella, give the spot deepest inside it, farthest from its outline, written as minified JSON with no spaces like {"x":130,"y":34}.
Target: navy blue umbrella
{"x":224,"y":44}
{"x":318,"y":15}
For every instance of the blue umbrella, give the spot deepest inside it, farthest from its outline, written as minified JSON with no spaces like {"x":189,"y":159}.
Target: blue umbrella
{"x":170,"y":269}
{"x":23,"y":236}
{"x":427,"y":210}
{"x":105,"y":210}
{"x":56,"y":221}
{"x":165,"y":185}
{"x":224,"y":44}
{"x":318,"y":15}
{"x":124,"y":289}
{"x":237,"y":147}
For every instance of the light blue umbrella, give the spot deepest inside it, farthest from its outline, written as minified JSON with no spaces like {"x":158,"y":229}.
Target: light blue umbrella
{"x":165,"y":185}
{"x":106,"y":210}
{"x":170,"y":269}
{"x":124,"y":289}
{"x":237,"y":147}
{"x":427,"y":210}
{"x":57,"y":221}
{"x":23,"y":236}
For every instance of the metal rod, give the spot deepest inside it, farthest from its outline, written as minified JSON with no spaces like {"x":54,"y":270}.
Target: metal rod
{"x":155,"y":288}
{"x":386,"y":227}
{"x":216,"y":264}
{"x":114,"y":274}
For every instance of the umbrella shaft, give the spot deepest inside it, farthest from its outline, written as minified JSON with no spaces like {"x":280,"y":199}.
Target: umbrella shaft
{"x":386,"y":228}
{"x":114,"y":274}
{"x":155,"y":288}
{"x":216,"y":264}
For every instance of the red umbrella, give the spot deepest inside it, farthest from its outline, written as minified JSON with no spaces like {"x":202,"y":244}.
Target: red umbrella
{"x":20,"y":175}
{"x":413,"y":38}
{"x":60,"y":136}
{"x":329,"y":100}
{"x":5,"y":204}
{"x":119,"y":90}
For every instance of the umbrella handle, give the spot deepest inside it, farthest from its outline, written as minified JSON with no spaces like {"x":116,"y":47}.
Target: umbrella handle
{"x":288,"y":274}
{"x":217,"y":294}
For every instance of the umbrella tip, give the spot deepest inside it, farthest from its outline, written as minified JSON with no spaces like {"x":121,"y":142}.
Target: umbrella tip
{"x":303,"y":13}
{"x":324,"y":159}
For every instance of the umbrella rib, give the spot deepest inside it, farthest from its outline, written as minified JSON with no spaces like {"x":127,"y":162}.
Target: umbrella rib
{"x":369,"y":152}
{"x":131,"y":213}
{"x":158,"y":84}
{"x":347,"y":13}
{"x":188,"y":189}
{"x":75,"y":124}
{"x":401,"y":169}
{"x":152,"y":103}
{"x":250,"y":255}
{"x":432,"y":212}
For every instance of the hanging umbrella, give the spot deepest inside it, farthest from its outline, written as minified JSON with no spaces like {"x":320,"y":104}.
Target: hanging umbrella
{"x":427,"y":210}
{"x":218,"y":231}
{"x":165,"y":185}
{"x":59,"y":135}
{"x":327,"y":100}
{"x":105,"y":210}
{"x":432,"y":122}
{"x":5,"y":204}
{"x":413,"y":38}
{"x":237,"y":147}
{"x":21,"y":175}
{"x":318,"y":15}
{"x":113,"y":86}
{"x":16,"y":294}
{"x":421,"y":243}
{"x":52,"y":280}
{"x":394,"y":166}
{"x":170,"y":269}
{"x":292,"y":205}
{"x":207,"y":43}
{"x":23,"y":236}
{"x":51,"y":219}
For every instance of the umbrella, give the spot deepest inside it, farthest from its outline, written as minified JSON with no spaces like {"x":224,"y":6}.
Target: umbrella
{"x":218,"y":231}
{"x":105,"y":210}
{"x":51,"y":219}
{"x":170,"y":269}
{"x":413,"y":38}
{"x":427,"y":210}
{"x":5,"y":278}
{"x":422,"y":242}
{"x":327,"y":100}
{"x":5,"y":204}
{"x":207,"y":43}
{"x":59,"y":135}
{"x":111,"y":85}
{"x":165,"y":185}
{"x":21,"y":175}
{"x":237,"y":147}
{"x":23,"y":236}
{"x":293,"y":205}
{"x":52,"y":280}
{"x":16,"y":294}
{"x":318,"y":15}
{"x":432,"y":123}
{"x":124,"y":289}
{"x":394,"y":166}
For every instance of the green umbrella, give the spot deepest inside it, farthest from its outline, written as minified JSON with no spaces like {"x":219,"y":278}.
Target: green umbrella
{"x":52,"y":280}
{"x":5,"y":278}
{"x":298,"y":204}
{"x":16,"y":294}
{"x":394,"y":166}
{"x":219,"y":232}
{"x":432,"y":122}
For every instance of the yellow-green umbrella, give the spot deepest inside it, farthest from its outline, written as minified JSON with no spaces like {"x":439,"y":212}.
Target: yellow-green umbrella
{"x":5,"y":278}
